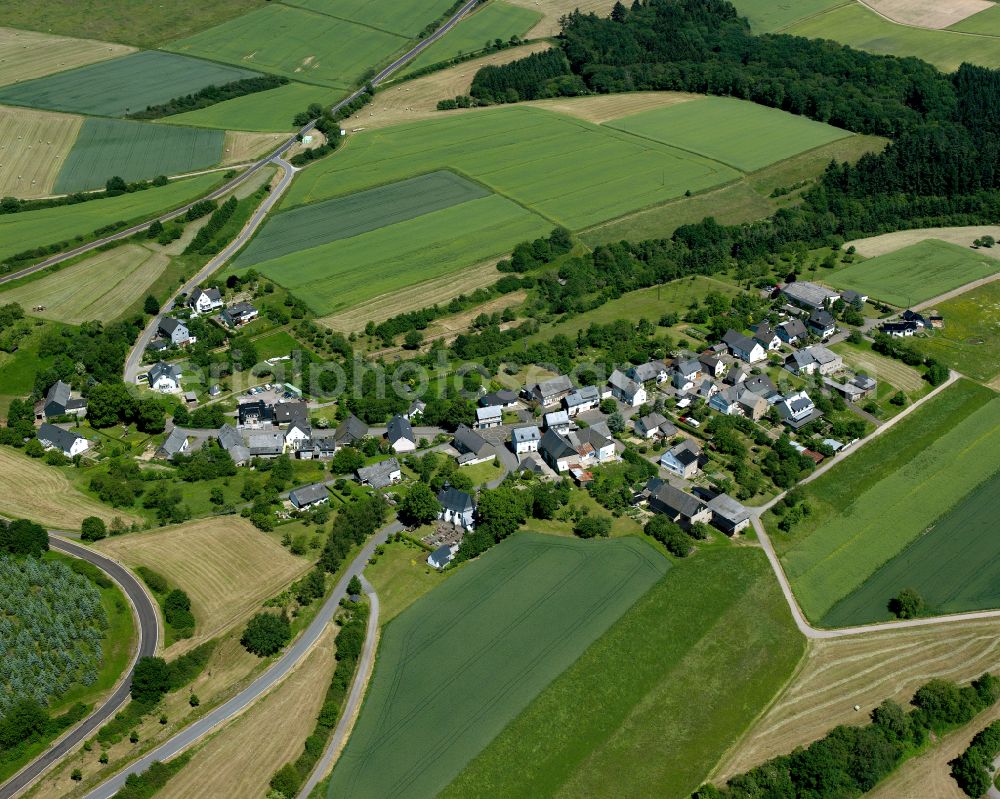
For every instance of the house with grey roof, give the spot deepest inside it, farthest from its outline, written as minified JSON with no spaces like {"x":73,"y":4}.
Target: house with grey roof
{"x":59,"y":401}
{"x":320,"y":446}
{"x":380,"y":475}
{"x":556,"y":420}
{"x":557,"y":451}
{"x":585,"y":447}
{"x":457,"y":508}
{"x":551,"y":391}
{"x":175,"y":331}
{"x":525,"y":439}
{"x":625,"y":389}
{"x":655,"y":370}
{"x":175,"y":443}
{"x":822,"y":324}
{"x":232,"y":442}
{"x":683,"y":459}
{"x":654,"y":424}
{"x":797,"y":410}
{"x":417,"y":408}
{"x":351,"y":432}
{"x":505,"y":398}
{"x":792,"y":331}
{"x":853,"y":298}
{"x":239,"y":314}
{"x":68,"y":442}
{"x":581,"y":400}
{"x":744,"y":347}
{"x":489,"y":416}
{"x":766,"y":336}
{"x":205,"y":300}
{"x":763,"y":386}
{"x":442,"y":556}
{"x":165,"y":377}
{"x":679,"y":506}
{"x":712,"y":365}
{"x":399,"y":433}
{"x":816,"y":359}
{"x":809,"y":295}
{"x":288,"y":413}
{"x":858,"y":388}
{"x":728,"y":515}
{"x":308,"y":496}
{"x":266,"y":443}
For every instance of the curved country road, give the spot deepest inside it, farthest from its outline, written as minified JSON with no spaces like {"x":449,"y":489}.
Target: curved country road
{"x":146,"y":617}
{"x":264,"y":683}
{"x":273,"y":156}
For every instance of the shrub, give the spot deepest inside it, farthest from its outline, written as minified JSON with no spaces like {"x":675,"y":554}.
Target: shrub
{"x":93,"y":529}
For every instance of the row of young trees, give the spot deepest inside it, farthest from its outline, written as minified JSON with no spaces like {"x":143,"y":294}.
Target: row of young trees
{"x":210,"y":95}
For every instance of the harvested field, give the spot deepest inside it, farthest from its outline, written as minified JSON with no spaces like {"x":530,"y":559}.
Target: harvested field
{"x":33,"y":148}
{"x":603,"y":108}
{"x":135,"y":151}
{"x":928,"y":13}
{"x":342,"y":218}
{"x":226,"y":566}
{"x":241,"y":146}
{"x":242,"y":757}
{"x":880,"y":367}
{"x":29,"y":489}
{"x":112,"y":88}
{"x":970,"y":339}
{"x":553,"y":10}
{"x":864,"y":670}
{"x":417,"y":99}
{"x":26,"y":54}
{"x":962,"y":236}
{"x":413,"y":298}
{"x":97,"y":288}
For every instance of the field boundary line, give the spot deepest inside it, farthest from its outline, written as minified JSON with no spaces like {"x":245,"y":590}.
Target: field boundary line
{"x":949,"y":295}
{"x":345,"y":19}
{"x":922,"y":27}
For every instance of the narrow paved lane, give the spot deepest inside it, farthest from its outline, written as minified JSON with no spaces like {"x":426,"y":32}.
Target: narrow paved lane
{"x":148,"y":629}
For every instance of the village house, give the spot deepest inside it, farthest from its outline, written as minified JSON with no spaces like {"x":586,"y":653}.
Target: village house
{"x":744,"y":347}
{"x":853,"y":298}
{"x":472,"y":447}
{"x":809,"y":295}
{"x":490,"y":416}
{"x":505,"y":398}
{"x":712,"y":365}
{"x":735,"y":376}
{"x":239,"y":314}
{"x":816,"y":359}
{"x":297,"y":436}
{"x":380,"y":475}
{"x":858,"y":388}
{"x":654,"y":424}
{"x":457,"y":508}
{"x":822,"y":324}
{"x":175,"y":331}
{"x":556,"y":420}
{"x":254,"y":413}
{"x":287,"y":413}
{"x":728,"y":514}
{"x":165,"y":377}
{"x":68,"y":442}
{"x":176,"y":443}
{"x":707,"y":390}
{"x":550,"y":392}
{"x":797,"y":410}
{"x":308,"y":496}
{"x":321,"y":446}
{"x":678,"y":506}
{"x":351,"y":432}
{"x":400,"y":435}
{"x":900,"y":329}
{"x":763,"y":386}
{"x":582,"y":448}
{"x":442,"y":556}
{"x":648,"y":372}
{"x":793,"y":331}
{"x":416,"y":410}
{"x":205,"y":300}
{"x":626,"y":390}
{"x":59,"y":401}
{"x":525,"y":439}
{"x":682,"y":459}
{"x":582,"y":399}
{"x":766,"y":336}
{"x":266,"y":443}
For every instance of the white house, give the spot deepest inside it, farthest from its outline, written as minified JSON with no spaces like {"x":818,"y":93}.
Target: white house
{"x":309,"y":495}
{"x":68,"y":442}
{"x":626,"y":389}
{"x":525,"y":439}
{"x":472,"y":448}
{"x":165,"y":377}
{"x":380,"y":475}
{"x":584,"y":448}
{"x":793,"y":331}
{"x":176,"y":443}
{"x":654,"y":424}
{"x":490,"y":416}
{"x":297,"y":436}
{"x":400,"y":435}
{"x":744,"y":347}
{"x":205,"y":300}
{"x":649,"y":371}
{"x":797,"y":410}
{"x":175,"y":331}
{"x":766,"y":336}
{"x":558,"y":421}
{"x":239,"y":314}
{"x":442,"y":556}
{"x":682,"y":460}
{"x":457,"y":507}
{"x":816,"y":358}
{"x":582,"y":399}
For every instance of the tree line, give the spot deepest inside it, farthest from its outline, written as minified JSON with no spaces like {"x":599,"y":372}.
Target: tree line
{"x":210,"y":95}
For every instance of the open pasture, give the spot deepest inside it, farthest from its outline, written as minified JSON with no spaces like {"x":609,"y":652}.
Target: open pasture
{"x":27,"y":54}
{"x":403,"y":254}
{"x":855,"y":25}
{"x":260,"y":111}
{"x":868,"y":508}
{"x":915,"y":273}
{"x":954,"y":565}
{"x":113,"y":88}
{"x":928,"y":13}
{"x":497,"y":20}
{"x":407,"y":18}
{"x":460,"y":663}
{"x":31,"y":490}
{"x":986,"y":22}
{"x":28,"y":229}
{"x":321,"y":223}
{"x":970,"y":339}
{"x":226,"y":565}
{"x":770,"y":16}
{"x":713,"y":634}
{"x":311,"y":47}
{"x":570,"y":171}
{"x":33,"y":148}
{"x":98,"y":288}
{"x":135,"y":151}
{"x":705,"y":126}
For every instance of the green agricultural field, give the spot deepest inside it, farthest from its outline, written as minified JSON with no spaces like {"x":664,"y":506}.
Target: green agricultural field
{"x":310,"y":47}
{"x":986,"y":22}
{"x":402,"y":18}
{"x":955,"y":566}
{"x":969,"y":342}
{"x":714,"y":635}
{"x":98,"y":288}
{"x":768,"y":16}
{"x":321,"y":223}
{"x":498,"y":20}
{"x":135,"y":151}
{"x":915,"y":273}
{"x":706,"y":127}
{"x":400,"y":255}
{"x":459,"y":664}
{"x":260,"y":111}
{"x":573,"y":172}
{"x":857,"y":26}
{"x":113,"y":88}
{"x":868,"y":508}
{"x":30,"y":229}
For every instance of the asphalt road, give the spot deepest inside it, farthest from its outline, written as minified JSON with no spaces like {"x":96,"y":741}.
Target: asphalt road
{"x":148,"y":625}
{"x":274,"y":674}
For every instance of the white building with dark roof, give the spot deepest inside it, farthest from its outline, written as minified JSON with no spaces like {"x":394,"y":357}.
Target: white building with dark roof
{"x":400,"y":435}
{"x":625,"y":389}
{"x":205,"y":300}
{"x":457,"y":508}
{"x":68,"y":442}
{"x":490,"y":416}
{"x":525,"y":439}
{"x":307,"y":496}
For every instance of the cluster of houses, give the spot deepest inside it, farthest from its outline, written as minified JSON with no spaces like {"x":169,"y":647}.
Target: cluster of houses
{"x":912,"y":322}
{"x":686,"y":509}
{"x":173,"y":332}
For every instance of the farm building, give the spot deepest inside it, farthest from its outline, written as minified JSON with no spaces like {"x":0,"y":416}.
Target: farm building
{"x":266,"y":443}
{"x":309,"y":495}
{"x":809,"y":295}
{"x":59,"y":401}
{"x":68,"y":442}
{"x":380,"y":475}
{"x":728,"y":514}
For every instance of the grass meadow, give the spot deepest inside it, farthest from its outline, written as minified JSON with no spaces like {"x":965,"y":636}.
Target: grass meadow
{"x":853,"y":24}
{"x":403,"y":254}
{"x":401,"y":576}
{"x":324,"y":222}
{"x":706,"y":126}
{"x":97,"y":288}
{"x":573,"y":172}
{"x":713,"y":634}
{"x":34,"y":149}
{"x":916,"y":273}
{"x":113,"y":88}
{"x":955,"y":565}
{"x":459,"y":664}
{"x":402,"y":18}
{"x":301,"y":44}
{"x":498,"y":20}
{"x":30,"y":229}
{"x":868,"y":508}
{"x":986,"y":22}
{"x":27,"y":54}
{"x":769,"y":16}
{"x":260,"y":111}
{"x":970,"y":339}
{"x":135,"y":151}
